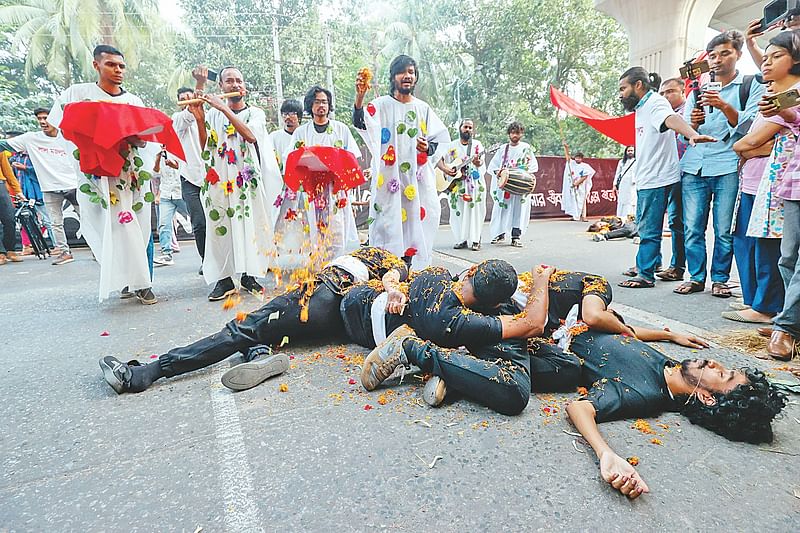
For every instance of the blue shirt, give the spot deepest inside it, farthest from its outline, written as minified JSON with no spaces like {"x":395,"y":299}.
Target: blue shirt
{"x":717,"y":159}
{"x":27,"y":178}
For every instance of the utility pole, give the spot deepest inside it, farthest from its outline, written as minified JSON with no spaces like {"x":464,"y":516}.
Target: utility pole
{"x":329,"y":67}
{"x":276,"y":54}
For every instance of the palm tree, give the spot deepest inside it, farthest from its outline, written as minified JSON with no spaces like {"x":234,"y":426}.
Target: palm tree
{"x":59,"y":35}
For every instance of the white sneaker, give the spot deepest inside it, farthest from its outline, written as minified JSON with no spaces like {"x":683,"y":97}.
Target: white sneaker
{"x":247,"y":375}
{"x":164,"y":260}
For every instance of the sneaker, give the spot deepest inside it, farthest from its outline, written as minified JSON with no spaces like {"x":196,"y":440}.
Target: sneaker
{"x":476,"y":247}
{"x":63,"y":258}
{"x":125,"y":293}
{"x":434,"y":392}
{"x":250,"y":284}
{"x":498,"y":239}
{"x":116,"y":373}
{"x":598,"y":238}
{"x":164,"y":260}
{"x":200,"y":272}
{"x":385,"y":358}
{"x":460,"y":246}
{"x":146,"y":296}
{"x":247,"y":375}
{"x":516,"y":243}
{"x":222,"y":290}
{"x":13,"y":257}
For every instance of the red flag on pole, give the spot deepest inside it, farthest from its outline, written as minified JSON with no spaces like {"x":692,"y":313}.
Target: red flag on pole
{"x":621,"y":129}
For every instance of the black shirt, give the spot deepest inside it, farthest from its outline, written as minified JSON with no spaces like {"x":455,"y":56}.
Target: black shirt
{"x":566,"y":289}
{"x":377,"y":260}
{"x":625,"y":376}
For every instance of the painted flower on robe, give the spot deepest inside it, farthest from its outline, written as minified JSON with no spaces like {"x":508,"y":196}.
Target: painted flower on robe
{"x":380,"y":180}
{"x":291,"y":195}
{"x":125,"y":217}
{"x":222,"y":149}
{"x":394,"y":186}
{"x":212,"y":136}
{"x":248,"y":172}
{"x":320,"y":201}
{"x":230,"y":155}
{"x":410,"y":192}
{"x":386,"y":134}
{"x":466,"y":197}
{"x":227,"y":186}
{"x":410,"y":252}
{"x":230,"y":130}
{"x":390,"y":158}
{"x":506,"y":195}
{"x":341,"y":203}
{"x":321,"y":225}
{"x":422,"y":158}
{"x":423,"y":126}
{"x":212,"y":177}
{"x":403,"y":214}
{"x":239,"y":180}
{"x":113,"y":198}
{"x":299,"y":144}
{"x":278,"y":201}
{"x":291,"y":214}
{"x":422,"y":213}
{"x":371,"y":109}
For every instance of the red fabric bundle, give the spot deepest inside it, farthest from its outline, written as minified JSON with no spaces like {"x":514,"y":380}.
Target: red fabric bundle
{"x":99,"y":130}
{"x":313,"y":167}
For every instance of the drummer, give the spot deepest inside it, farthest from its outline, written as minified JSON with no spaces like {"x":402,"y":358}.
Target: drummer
{"x":511,"y":212}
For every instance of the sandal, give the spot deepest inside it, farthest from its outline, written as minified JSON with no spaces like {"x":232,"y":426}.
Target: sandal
{"x":720,"y":290}
{"x":637,"y":283}
{"x":670,"y":274}
{"x":689,"y":287}
{"x":631,"y":272}
{"x":736,"y":316}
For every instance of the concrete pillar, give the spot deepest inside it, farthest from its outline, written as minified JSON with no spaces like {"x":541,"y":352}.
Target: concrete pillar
{"x":662,"y":33}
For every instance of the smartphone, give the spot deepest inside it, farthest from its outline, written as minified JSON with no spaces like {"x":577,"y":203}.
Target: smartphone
{"x":762,"y":27}
{"x":784,"y":100}
{"x":212,"y":76}
{"x":697,"y":69}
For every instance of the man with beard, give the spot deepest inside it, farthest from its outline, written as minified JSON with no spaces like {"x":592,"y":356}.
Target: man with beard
{"x":242,"y":181}
{"x":307,"y":311}
{"x":467,"y":192}
{"x":657,"y":170}
{"x":402,"y":132}
{"x":332,"y":223}
{"x":510,"y":212}
{"x":192,"y":134}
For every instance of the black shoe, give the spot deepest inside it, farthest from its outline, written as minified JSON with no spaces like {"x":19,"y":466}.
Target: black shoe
{"x":124,"y":294}
{"x":460,"y":246}
{"x":200,"y":272}
{"x":516,"y":243}
{"x":476,"y":246}
{"x":250,"y":284}
{"x":116,"y":373}
{"x":500,"y":238}
{"x":222,"y":289}
{"x":146,"y":296}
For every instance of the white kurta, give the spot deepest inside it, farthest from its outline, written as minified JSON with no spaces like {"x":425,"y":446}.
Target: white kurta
{"x":115,"y":211}
{"x":330,"y":218}
{"x":241,"y":183}
{"x":510,"y":210}
{"x":468,"y":197}
{"x":292,"y":229}
{"x":404,"y":210}
{"x":626,"y":190}
{"x":574,"y":198}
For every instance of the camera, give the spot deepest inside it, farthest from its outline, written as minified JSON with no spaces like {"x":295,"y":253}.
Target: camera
{"x":212,"y":76}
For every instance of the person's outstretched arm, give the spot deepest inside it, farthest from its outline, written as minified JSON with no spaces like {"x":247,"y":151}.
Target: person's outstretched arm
{"x":531,"y":322}
{"x":615,"y":470}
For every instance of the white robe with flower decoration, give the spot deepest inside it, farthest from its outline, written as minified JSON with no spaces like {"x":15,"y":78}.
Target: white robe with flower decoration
{"x":510,"y":210}
{"x":468,"y":197}
{"x":573,"y":199}
{"x":404,"y":205}
{"x":115,"y":211}
{"x":239,"y":215}
{"x":331,"y":221}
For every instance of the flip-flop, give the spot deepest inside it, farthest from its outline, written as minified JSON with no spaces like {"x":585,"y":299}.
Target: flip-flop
{"x":736,"y":316}
{"x":738,"y":306}
{"x":631,"y":272}
{"x":720,"y":290}
{"x":637,"y":283}
{"x":670,"y":274}
{"x":689,"y":287}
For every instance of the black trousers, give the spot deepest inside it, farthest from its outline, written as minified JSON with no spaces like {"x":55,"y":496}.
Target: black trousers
{"x":9,"y":239}
{"x":496,"y":376}
{"x":191,"y":195}
{"x":552,"y":369}
{"x":324,"y":323}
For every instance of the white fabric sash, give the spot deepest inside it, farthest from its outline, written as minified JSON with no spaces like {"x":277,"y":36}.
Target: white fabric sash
{"x":378,"y":316}
{"x":352,"y":265}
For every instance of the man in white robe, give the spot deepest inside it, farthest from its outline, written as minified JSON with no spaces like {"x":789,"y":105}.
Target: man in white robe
{"x":242,"y":182}
{"x":576,"y":188}
{"x":468,"y":190}
{"x":402,"y":133}
{"x":511,"y":213}
{"x":115,"y":210}
{"x":330,"y":216}
{"x":625,"y":184}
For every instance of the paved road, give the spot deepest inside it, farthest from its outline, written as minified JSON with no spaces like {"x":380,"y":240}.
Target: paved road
{"x":188,"y":453}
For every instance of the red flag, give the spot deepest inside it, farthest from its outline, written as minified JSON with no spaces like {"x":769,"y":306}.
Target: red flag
{"x":621,"y":129}
{"x":99,"y":130}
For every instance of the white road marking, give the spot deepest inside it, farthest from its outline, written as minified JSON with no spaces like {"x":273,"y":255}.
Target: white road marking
{"x":236,"y":477}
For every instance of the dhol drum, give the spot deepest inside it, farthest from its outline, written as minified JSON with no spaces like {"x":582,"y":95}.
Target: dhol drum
{"x":516,"y":181}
